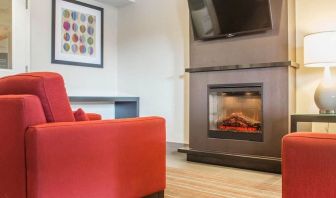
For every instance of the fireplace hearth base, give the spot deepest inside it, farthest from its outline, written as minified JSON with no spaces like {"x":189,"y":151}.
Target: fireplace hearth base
{"x":257,"y":163}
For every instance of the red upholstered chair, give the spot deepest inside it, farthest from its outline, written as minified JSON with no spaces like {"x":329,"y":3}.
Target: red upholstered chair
{"x":309,"y":165}
{"x":44,"y":153}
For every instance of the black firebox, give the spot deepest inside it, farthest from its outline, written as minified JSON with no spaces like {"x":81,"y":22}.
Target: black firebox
{"x":235,"y":111}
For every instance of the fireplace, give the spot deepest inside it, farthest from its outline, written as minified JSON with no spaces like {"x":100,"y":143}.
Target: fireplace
{"x":235,"y":112}
{"x":240,"y":113}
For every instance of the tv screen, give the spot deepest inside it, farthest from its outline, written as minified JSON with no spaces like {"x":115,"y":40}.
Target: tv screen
{"x":227,"y":18}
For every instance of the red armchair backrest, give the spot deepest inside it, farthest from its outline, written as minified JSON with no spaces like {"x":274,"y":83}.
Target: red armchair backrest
{"x":48,"y":86}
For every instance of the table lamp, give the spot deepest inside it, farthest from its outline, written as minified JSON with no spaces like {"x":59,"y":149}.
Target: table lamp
{"x":320,"y":51}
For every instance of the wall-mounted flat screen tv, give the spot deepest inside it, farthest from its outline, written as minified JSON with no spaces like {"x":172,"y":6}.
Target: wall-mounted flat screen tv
{"x":228,"y":18}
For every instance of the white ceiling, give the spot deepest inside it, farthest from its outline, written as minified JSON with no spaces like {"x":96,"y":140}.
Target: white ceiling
{"x":116,"y":3}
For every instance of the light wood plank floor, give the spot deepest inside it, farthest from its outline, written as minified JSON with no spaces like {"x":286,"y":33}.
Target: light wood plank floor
{"x":195,"y":180}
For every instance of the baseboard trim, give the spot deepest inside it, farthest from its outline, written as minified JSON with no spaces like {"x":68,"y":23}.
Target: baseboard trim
{"x":173,"y":147}
{"x":258,"y":163}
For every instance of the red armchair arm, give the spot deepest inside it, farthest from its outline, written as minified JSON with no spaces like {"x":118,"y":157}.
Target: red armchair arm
{"x":17,"y":113}
{"x":115,"y":158}
{"x":309,"y":165}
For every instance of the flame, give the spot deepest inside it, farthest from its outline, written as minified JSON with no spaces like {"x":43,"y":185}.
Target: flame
{"x":239,"y":129}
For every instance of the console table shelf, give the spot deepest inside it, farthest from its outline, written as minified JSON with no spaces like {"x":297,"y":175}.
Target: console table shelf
{"x":295,"y":119}
{"x":125,"y":107}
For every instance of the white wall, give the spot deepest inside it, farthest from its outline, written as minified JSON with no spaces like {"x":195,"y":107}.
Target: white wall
{"x":153,"y":38}
{"x":312,"y":16}
{"x":79,"y":80}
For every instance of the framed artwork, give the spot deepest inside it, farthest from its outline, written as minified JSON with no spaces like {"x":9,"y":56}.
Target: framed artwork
{"x":77,"y":34}
{"x":5,"y":34}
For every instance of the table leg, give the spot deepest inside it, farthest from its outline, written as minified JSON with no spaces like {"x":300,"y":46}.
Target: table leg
{"x":293,"y":125}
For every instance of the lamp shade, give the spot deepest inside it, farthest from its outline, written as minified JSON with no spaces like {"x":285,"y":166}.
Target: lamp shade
{"x":320,"y":49}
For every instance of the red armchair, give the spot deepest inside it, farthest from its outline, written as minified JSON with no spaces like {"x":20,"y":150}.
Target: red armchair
{"x":44,"y":153}
{"x":309,"y":165}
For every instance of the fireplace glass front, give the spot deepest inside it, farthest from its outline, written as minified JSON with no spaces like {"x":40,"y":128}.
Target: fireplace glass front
{"x":235,"y":112}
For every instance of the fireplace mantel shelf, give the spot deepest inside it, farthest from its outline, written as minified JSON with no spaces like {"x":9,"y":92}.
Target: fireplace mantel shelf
{"x":243,"y":66}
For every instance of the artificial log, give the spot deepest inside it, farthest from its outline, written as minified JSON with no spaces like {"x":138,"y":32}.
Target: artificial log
{"x":240,"y":121}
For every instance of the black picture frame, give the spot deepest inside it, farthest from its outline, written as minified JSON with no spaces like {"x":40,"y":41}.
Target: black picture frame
{"x":53,"y":44}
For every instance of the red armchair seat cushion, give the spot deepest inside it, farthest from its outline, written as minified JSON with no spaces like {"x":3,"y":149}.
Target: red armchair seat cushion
{"x":48,"y":86}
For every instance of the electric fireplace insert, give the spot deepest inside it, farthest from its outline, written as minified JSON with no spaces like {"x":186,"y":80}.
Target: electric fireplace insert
{"x":235,"y":112}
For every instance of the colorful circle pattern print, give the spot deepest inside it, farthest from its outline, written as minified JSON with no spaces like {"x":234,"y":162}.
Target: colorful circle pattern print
{"x":78,"y":33}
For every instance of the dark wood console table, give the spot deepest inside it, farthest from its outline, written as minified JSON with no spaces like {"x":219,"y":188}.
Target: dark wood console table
{"x":125,"y":107}
{"x":327,"y":118}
